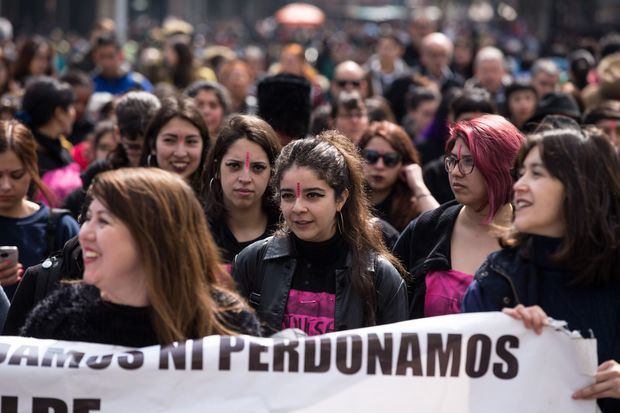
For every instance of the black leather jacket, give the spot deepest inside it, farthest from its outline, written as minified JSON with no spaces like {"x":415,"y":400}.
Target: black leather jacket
{"x":264,"y":272}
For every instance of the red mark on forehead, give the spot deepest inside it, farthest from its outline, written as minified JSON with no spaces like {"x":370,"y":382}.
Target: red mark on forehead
{"x":247,"y":161}
{"x":298,"y":192}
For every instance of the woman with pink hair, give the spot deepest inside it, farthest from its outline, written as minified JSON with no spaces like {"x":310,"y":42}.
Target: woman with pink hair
{"x":443,"y":248}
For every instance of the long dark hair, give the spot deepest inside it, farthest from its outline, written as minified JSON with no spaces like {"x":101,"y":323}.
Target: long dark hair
{"x":335,"y":159}
{"x":238,"y":127}
{"x":25,"y":54}
{"x":589,"y":168}
{"x":182,"y":73}
{"x":400,"y":213}
{"x":183,"y":108}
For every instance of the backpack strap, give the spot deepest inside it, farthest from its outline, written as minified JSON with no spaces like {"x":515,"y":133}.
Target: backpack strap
{"x":53,"y":219}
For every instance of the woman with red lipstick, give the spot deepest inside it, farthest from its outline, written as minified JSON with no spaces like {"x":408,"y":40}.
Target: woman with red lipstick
{"x":442,"y":249}
{"x":239,"y":200}
{"x":177,"y":140}
{"x":562,"y":255}
{"x":327,"y":268}
{"x":23,"y":223}
{"x":393,"y":175}
{"x":140,"y":288}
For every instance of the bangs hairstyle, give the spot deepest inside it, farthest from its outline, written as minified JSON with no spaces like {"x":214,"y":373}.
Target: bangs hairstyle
{"x":17,"y":138}
{"x":400,"y":210}
{"x":183,"y":108}
{"x":180,"y":287}
{"x":494,"y":144}
{"x":588,"y":166}
{"x":234,"y":128}
{"x":335,"y":160}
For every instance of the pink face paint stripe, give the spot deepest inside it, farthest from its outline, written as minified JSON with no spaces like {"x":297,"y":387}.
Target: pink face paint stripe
{"x":247,"y":161}
{"x":298,"y":193}
{"x":459,"y":152}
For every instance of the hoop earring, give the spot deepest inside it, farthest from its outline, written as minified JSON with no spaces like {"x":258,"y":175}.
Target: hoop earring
{"x":211,"y":183}
{"x":340,"y":222}
{"x":149,"y":160}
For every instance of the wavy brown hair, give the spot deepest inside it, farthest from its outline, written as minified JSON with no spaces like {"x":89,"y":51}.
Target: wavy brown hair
{"x":168,"y":225}
{"x":335,"y":160}
{"x":17,"y":138}
{"x":400,"y":213}
{"x":589,"y":168}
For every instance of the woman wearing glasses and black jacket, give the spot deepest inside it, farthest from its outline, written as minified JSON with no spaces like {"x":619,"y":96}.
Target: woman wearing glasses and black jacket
{"x":393,"y":175}
{"x":443,"y":248}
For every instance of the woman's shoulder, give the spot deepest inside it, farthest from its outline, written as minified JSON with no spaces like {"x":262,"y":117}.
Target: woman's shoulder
{"x":62,"y":307}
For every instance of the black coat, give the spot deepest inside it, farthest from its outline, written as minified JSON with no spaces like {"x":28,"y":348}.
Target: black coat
{"x":40,"y":280}
{"x":424,"y":246}
{"x":77,"y":313}
{"x":264,"y":273}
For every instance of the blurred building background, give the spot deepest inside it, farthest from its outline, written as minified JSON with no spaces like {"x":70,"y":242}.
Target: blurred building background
{"x":545,"y":18}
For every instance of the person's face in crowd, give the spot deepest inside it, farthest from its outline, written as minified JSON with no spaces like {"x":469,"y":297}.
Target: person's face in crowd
{"x":211,"y":110}
{"x":291,"y":64}
{"x":467,"y":183}
{"x":108,"y":59}
{"x":382,"y":164}
{"x":238,"y":82}
{"x":309,"y":205}
{"x":490,"y":73}
{"x":65,"y":119}
{"x":178,"y":147}
{"x":133,"y":148}
{"x":420,"y":28}
{"x":170,"y":56}
{"x":40,"y":61}
{"x":4,"y":73}
{"x":434,"y":57}
{"x":388,"y":51}
{"x":522,"y":105}
{"x":463,"y":54}
{"x":244,"y":175}
{"x":612,"y":128}
{"x":82,"y":96}
{"x":538,"y":199}
{"x":349,"y":79}
{"x":111,"y":259}
{"x":14,"y":182}
{"x":424,"y":114}
{"x":352,"y":122}
{"x":106,"y":144}
{"x":545,"y":83}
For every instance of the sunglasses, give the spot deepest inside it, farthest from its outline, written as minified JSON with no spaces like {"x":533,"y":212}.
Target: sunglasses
{"x":344,"y":83}
{"x":390,"y":159}
{"x":465,"y":164}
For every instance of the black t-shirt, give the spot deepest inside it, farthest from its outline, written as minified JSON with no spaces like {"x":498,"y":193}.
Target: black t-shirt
{"x":228,"y":244}
{"x":312,"y":298}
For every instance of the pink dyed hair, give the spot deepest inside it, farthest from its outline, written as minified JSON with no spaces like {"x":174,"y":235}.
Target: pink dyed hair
{"x":494,"y":144}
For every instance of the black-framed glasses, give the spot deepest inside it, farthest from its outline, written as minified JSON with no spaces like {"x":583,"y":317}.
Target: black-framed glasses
{"x":343,"y":83}
{"x":390,"y":159}
{"x":465,"y":164}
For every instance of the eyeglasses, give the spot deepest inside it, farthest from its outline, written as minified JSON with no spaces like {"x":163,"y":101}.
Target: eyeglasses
{"x":390,"y":159}
{"x":344,"y":83}
{"x":465,"y":164}
{"x":352,"y":115}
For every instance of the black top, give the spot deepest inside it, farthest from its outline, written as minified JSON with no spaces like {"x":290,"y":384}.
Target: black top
{"x":77,"y":313}
{"x":317,"y":263}
{"x":51,"y":154}
{"x":228,"y":244}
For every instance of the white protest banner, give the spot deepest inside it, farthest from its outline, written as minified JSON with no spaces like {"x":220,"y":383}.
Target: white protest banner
{"x":484,"y":362}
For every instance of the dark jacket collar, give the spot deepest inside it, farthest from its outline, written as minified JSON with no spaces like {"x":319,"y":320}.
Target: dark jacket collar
{"x":280,"y":247}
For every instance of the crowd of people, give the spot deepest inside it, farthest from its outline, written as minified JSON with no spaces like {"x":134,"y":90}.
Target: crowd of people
{"x":226,"y":196}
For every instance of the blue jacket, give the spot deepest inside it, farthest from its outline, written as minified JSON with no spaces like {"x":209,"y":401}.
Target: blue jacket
{"x":526,"y":275}
{"x":123,"y":84}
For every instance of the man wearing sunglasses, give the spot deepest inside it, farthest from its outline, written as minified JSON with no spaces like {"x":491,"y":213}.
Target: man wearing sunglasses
{"x":349,"y":76}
